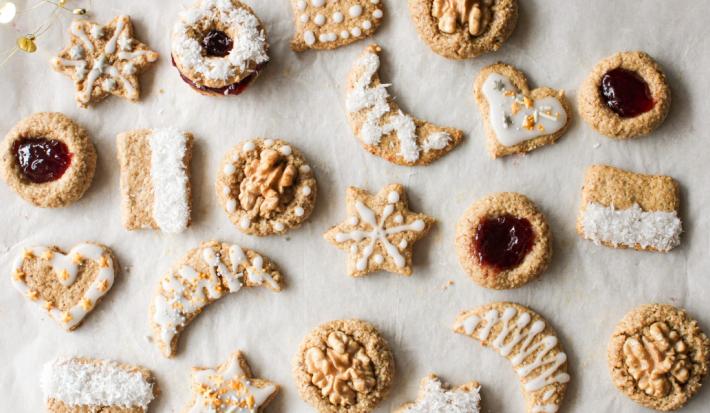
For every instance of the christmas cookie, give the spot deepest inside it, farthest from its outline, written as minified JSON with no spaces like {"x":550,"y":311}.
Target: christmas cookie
{"x":380,"y":231}
{"x":230,"y":387}
{"x":462,"y":29}
{"x":658,"y":356}
{"x":219,"y":47}
{"x":67,"y":285}
{"x":204,"y":275}
{"x":434,"y":396}
{"x":48,"y":160}
{"x":81,"y":385}
{"x":327,"y":24}
{"x":623,"y":209}
{"x":503,"y":241}
{"x":344,"y":366}
{"x":155,"y":179}
{"x":266,"y":187}
{"x":104,"y":60}
{"x":625,"y":96}
{"x":529,"y":343}
{"x":518,"y":119}
{"x":381,"y":126}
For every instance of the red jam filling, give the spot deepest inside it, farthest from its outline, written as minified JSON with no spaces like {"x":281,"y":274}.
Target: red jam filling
{"x":233,"y":89}
{"x":626,"y":93}
{"x":42,"y":160}
{"x":217,"y":43}
{"x":503,"y":242}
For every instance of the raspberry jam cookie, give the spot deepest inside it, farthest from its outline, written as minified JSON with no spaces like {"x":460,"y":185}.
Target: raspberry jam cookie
{"x":462,"y":29}
{"x":518,"y":119}
{"x":266,"y":187}
{"x":80,"y":385}
{"x":344,"y":366}
{"x":529,"y":343}
{"x":48,"y":160}
{"x":381,"y":126}
{"x":625,"y":96}
{"x":434,"y":396}
{"x":67,"y":285}
{"x":380,"y":231}
{"x":155,"y":179}
{"x":104,"y":60}
{"x":622,"y":209}
{"x":327,"y":24}
{"x":503,"y":241}
{"x":658,"y":356}
{"x":204,"y":275}
{"x":219,"y":47}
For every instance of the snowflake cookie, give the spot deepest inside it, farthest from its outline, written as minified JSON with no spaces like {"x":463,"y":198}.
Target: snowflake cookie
{"x":434,"y":396}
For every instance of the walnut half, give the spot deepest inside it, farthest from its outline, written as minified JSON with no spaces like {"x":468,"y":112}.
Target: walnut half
{"x":476,"y":14}
{"x":266,"y":184}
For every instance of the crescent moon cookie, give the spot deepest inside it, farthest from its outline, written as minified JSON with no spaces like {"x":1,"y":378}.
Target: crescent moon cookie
{"x":266,"y":187}
{"x":518,"y":119}
{"x":658,"y":356}
{"x":434,"y":396}
{"x":219,"y":47}
{"x":204,"y":275}
{"x":529,"y":343}
{"x":381,"y":126}
{"x":625,"y":96}
{"x":503,"y":241}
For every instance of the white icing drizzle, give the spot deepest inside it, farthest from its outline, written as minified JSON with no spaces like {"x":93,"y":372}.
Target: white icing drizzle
{"x":437,"y":399}
{"x":169,"y":177}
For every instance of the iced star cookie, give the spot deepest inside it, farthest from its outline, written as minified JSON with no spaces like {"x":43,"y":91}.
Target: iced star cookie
{"x":529,"y":343}
{"x":622,"y":209}
{"x":380,"y":231}
{"x":625,"y":96}
{"x":81,"y":385}
{"x":518,"y":119}
{"x":266,"y":187}
{"x":381,"y":126}
{"x":435,"y":396}
{"x":155,"y":179}
{"x":344,"y":366}
{"x":503,"y":241}
{"x":219,"y":47}
{"x":48,"y":160}
{"x":462,"y":29}
{"x":327,"y":24}
{"x":206,"y":274}
{"x":104,"y":60}
{"x":658,"y":356}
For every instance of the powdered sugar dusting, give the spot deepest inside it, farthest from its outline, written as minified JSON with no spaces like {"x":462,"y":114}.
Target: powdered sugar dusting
{"x":437,"y":399}
{"x":171,"y":208}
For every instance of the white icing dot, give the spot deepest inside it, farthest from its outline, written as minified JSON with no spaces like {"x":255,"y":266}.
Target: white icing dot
{"x":229,"y":169}
{"x":403,"y":244}
{"x":353,"y":221}
{"x":344,"y":34}
{"x":244,"y":222}
{"x":319,"y":20}
{"x":367,"y":25}
{"x":248,"y":146}
{"x":304,"y":169}
{"x":377,"y":14}
{"x":299,"y":211}
{"x":327,"y":37}
{"x":355,"y":11}
{"x":278,"y":226}
{"x":398,"y":219}
{"x":317,"y":3}
{"x":309,"y":37}
{"x":304,"y":18}
{"x":231,"y":205}
{"x":379,"y":259}
{"x":392,"y":197}
{"x":269,"y":143}
{"x":355,"y":31}
{"x":338,"y":17}
{"x":301,"y":4}
{"x":108,"y":84}
{"x":286,"y":150}
{"x":225,"y":190}
{"x":306,"y":190}
{"x":353,"y":249}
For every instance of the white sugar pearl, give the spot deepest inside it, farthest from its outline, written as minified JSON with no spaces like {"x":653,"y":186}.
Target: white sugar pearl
{"x":355,"y":31}
{"x":231,"y":205}
{"x":304,"y":169}
{"x":367,"y":25}
{"x":229,"y":169}
{"x":379,"y":259}
{"x":301,"y":4}
{"x":353,"y":221}
{"x":278,"y":226}
{"x":344,"y":34}
{"x":353,"y":249}
{"x":355,"y":11}
{"x":225,"y":190}
{"x":286,"y":150}
{"x":319,"y":20}
{"x":306,"y":190}
{"x":317,"y":3}
{"x":309,"y":37}
{"x":377,"y":14}
{"x":299,"y":211}
{"x":304,"y":18}
{"x":248,"y":146}
{"x":268,"y":143}
{"x":398,"y":219}
{"x":322,"y":38}
{"x":403,"y":244}
{"x":392,"y":197}
{"x":338,"y":17}
{"x":375,"y":1}
{"x":244,"y":222}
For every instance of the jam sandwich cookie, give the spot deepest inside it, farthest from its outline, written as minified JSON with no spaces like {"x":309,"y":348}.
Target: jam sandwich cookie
{"x":625,"y":96}
{"x":503,"y":241}
{"x":104,"y":60}
{"x":327,"y":24}
{"x":380,"y":231}
{"x":204,"y":275}
{"x":344,"y":366}
{"x":462,"y":29}
{"x":266,"y":187}
{"x":48,"y":160}
{"x":622,"y":209}
{"x":67,"y":285}
{"x":435,"y":396}
{"x":658,"y":356}
{"x":381,"y":126}
{"x":219,"y":47}
{"x":518,"y":119}
{"x":529,"y":343}
{"x":155,"y":179}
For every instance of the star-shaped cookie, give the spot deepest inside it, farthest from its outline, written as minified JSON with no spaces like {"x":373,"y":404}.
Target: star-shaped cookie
{"x":104,"y":60}
{"x":379,"y":232}
{"x":434,"y":396}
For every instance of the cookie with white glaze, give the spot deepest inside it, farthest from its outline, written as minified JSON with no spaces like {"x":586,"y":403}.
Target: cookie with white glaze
{"x":435,"y":396}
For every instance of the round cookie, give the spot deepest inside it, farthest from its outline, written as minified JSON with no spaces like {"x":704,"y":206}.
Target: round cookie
{"x":503,"y":241}
{"x":331,"y":349}
{"x":48,"y":160}
{"x":462,"y":29}
{"x":625,"y":96}
{"x":658,"y":356}
{"x":266,"y":187}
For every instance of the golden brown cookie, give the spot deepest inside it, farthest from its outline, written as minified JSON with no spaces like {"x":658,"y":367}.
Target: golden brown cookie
{"x":435,"y":396}
{"x":658,"y":356}
{"x":503,"y":241}
{"x":344,"y":366}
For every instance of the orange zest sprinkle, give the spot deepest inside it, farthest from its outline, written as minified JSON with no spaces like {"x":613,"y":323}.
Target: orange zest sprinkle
{"x":67,"y":317}
{"x":103,"y":261}
{"x":528,"y":102}
{"x":20,"y":275}
{"x":529,"y":122}
{"x":86,"y":304}
{"x":32,"y":295}
{"x":47,"y":255}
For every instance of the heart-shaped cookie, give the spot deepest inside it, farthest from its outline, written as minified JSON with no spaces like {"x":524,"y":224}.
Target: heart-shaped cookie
{"x":69,"y":285}
{"x":518,"y":119}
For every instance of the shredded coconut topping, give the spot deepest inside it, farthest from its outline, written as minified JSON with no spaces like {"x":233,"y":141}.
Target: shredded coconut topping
{"x":437,"y":399}
{"x":171,"y":209}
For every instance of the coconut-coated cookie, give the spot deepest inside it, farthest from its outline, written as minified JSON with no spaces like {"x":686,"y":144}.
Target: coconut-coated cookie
{"x":435,"y":396}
